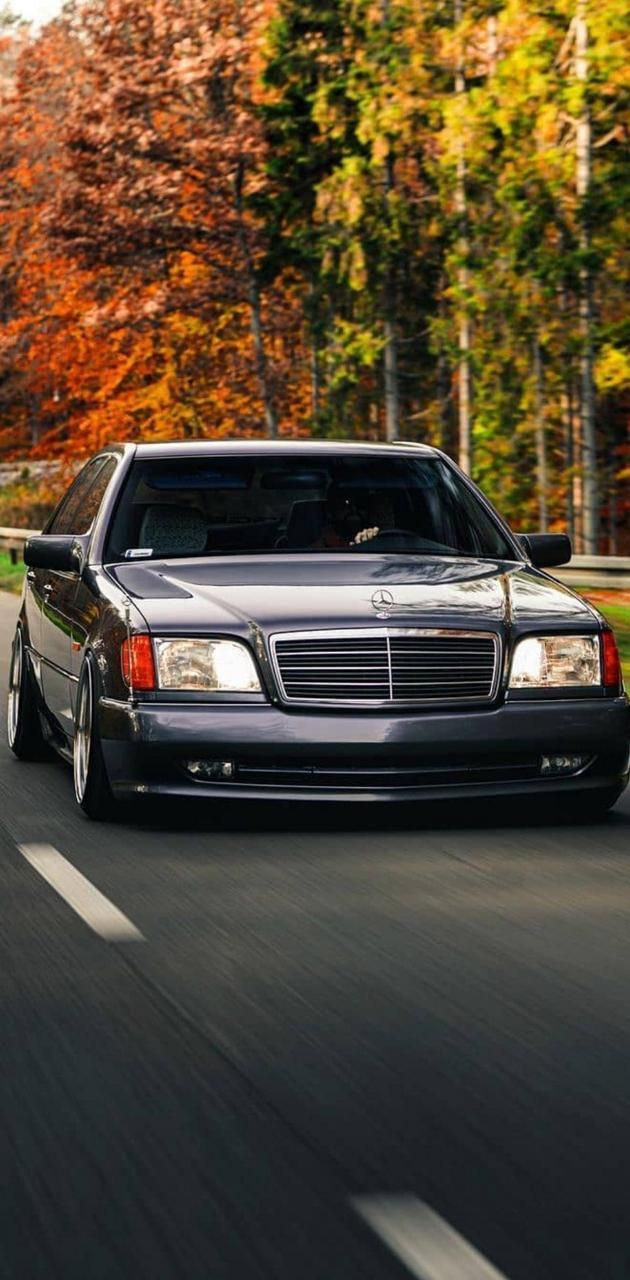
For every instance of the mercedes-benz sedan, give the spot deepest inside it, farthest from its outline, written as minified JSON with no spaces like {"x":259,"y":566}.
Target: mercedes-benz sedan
{"x":308,"y":621}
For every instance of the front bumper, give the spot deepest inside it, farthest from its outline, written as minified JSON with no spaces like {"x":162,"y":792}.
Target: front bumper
{"x":303,"y":755}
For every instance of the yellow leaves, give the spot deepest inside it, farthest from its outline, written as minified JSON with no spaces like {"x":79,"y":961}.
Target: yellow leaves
{"x":328,"y":112}
{"x":612,"y":369}
{"x":356,"y":268}
{"x":353,"y":349}
{"x":342,"y":198}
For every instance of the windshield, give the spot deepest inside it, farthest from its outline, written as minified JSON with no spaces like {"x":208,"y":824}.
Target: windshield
{"x":218,"y":506}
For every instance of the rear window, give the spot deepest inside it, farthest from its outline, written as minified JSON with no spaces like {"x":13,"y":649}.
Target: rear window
{"x":244,"y":506}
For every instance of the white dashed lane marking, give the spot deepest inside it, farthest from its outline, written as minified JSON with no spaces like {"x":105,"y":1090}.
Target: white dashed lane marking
{"x":422,"y":1240}
{"x":88,"y":902}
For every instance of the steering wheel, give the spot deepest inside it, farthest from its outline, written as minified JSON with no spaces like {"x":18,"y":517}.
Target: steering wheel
{"x":388,"y":536}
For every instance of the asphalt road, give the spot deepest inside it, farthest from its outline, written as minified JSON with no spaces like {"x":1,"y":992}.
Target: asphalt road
{"x":323,"y":1006}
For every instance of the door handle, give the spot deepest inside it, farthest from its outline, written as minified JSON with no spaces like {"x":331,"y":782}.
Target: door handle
{"x":47,"y":588}
{"x":30,"y":575}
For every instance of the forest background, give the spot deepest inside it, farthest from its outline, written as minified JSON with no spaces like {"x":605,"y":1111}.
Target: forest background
{"x":373,"y":219}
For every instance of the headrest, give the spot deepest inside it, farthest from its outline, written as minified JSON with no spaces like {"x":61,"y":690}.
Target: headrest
{"x":306,"y":522}
{"x":172,"y":531}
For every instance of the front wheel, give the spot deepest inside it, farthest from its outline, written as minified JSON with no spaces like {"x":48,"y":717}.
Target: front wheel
{"x":24,"y":730}
{"x":91,"y":784}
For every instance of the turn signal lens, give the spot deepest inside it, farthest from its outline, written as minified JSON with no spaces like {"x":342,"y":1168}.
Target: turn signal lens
{"x":611,"y":665}
{"x":138,"y":665}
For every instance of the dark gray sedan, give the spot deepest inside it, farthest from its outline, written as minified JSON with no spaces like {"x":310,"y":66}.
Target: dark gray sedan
{"x":308,"y":621}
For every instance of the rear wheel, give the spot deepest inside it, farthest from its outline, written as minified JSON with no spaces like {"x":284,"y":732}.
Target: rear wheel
{"x":24,"y":730}
{"x":91,"y":784}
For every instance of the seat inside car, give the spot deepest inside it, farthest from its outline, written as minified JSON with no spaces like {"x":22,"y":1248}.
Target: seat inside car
{"x":305,"y":523}
{"x":173,"y":530}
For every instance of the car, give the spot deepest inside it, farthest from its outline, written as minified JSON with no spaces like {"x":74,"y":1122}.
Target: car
{"x":303,"y":620}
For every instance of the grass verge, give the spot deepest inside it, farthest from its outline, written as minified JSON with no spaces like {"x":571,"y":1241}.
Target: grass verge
{"x":11,"y":575}
{"x":619,"y":617}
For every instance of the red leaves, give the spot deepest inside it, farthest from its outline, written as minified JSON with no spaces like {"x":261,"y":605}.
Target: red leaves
{"x":127,"y":239}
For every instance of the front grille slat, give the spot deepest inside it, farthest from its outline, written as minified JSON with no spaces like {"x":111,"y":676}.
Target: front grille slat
{"x":367,"y":669}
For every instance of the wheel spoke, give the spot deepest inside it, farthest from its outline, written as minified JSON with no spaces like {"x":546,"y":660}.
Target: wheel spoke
{"x":83,"y":736}
{"x":15,"y":689}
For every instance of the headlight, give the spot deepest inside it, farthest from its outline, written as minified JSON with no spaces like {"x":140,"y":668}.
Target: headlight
{"x":211,"y":666}
{"x":549,"y":662}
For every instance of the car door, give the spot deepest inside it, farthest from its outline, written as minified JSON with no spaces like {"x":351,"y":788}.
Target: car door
{"x":86,"y":605}
{"x":58,"y":591}
{"x":39,"y":583}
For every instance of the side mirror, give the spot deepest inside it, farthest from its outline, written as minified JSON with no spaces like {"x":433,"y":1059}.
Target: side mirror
{"x":546,"y":550}
{"x":63,"y":552}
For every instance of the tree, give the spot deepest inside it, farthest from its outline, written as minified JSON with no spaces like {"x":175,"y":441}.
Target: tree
{"x":166,"y":155}
{"x":352,"y":217}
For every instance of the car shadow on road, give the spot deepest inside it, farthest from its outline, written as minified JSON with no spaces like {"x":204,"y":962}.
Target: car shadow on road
{"x":292,"y":816}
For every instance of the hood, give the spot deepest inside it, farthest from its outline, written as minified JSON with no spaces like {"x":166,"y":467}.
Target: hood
{"x":298,"y":592}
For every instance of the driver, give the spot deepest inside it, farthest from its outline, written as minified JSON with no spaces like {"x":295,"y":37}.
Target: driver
{"x":381,"y":516}
{"x":342,"y":523}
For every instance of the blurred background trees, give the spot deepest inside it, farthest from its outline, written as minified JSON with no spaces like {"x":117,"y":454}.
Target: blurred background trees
{"x":372,"y":218}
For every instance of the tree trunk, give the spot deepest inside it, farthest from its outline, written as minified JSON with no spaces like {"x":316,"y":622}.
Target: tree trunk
{"x":390,"y":353}
{"x":34,"y":420}
{"x":443,"y":387}
{"x":587,"y":388}
{"x":255,"y":314}
{"x":314,"y":329}
{"x":462,"y":274}
{"x":390,"y":365}
{"x":271,"y":421}
{"x":566,"y":405}
{"x":315,"y":381}
{"x":567,"y":425}
{"x":541,"y":443}
{"x":612,"y":512}
{"x":577,"y":456}
{"x":492,"y":43}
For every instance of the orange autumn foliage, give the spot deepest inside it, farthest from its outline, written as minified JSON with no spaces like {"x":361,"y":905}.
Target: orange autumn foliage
{"x":130,"y":260}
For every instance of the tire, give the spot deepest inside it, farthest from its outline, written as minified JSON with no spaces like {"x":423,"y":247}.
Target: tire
{"x":24,"y":730}
{"x":91,"y":784}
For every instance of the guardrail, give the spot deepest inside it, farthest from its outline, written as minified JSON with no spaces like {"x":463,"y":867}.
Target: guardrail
{"x":612,"y":572}
{"x":12,"y":540}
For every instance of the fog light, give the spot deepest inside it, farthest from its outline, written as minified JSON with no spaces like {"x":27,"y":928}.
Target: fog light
{"x":561,"y":764}
{"x":211,"y":770}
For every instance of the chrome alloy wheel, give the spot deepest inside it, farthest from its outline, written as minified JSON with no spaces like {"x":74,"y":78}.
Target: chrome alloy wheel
{"x":83,"y":735}
{"x":15,"y":688}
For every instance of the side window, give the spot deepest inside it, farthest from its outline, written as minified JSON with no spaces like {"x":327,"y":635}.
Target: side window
{"x":89,"y":507}
{"x":80,"y":506}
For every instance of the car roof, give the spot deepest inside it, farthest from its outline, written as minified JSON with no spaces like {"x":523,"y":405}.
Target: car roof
{"x":201,"y":448}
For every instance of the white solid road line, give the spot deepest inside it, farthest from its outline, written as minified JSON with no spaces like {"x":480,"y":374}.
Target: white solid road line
{"x":422,"y":1240}
{"x":89,"y":903}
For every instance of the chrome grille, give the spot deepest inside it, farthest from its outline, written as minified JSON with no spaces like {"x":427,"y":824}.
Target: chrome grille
{"x":388,"y":665}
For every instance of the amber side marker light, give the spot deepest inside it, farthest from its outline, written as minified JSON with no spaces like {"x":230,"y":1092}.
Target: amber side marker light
{"x":611,"y":664}
{"x":138,"y":663}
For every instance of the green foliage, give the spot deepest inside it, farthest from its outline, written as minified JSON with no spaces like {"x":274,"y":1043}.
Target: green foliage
{"x":27,"y":503}
{"x":344,"y":118}
{"x":619,"y":617}
{"x":367,"y":134}
{"x":11,"y":575}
